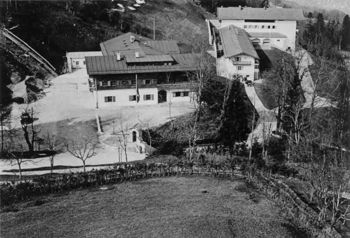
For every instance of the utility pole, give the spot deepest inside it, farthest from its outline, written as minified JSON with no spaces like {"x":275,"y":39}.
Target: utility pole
{"x":154,"y":28}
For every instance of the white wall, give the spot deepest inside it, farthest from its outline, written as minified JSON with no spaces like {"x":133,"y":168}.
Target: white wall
{"x":122,"y":97}
{"x":172,"y":98}
{"x":81,"y":64}
{"x":288,"y":28}
{"x":227,"y":69}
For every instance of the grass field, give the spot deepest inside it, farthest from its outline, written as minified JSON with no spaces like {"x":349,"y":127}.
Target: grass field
{"x":164,"y":207}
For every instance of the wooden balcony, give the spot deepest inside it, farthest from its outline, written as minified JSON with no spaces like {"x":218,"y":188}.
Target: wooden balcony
{"x":242,"y":62}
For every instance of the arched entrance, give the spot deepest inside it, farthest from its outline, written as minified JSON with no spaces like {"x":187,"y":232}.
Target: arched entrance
{"x":162,"y":96}
{"x":134,"y":136}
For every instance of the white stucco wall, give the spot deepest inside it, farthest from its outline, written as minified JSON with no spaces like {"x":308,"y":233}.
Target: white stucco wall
{"x":122,"y":97}
{"x":288,"y":28}
{"x":172,"y":98}
{"x":227,"y":69}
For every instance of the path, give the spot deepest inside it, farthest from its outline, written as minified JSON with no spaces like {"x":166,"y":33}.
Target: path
{"x":69,"y":98}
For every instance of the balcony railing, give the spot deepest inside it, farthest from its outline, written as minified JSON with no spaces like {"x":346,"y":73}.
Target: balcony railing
{"x":165,"y":86}
{"x":242,"y":62}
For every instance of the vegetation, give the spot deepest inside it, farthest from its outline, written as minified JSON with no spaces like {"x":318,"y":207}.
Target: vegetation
{"x":169,"y":207}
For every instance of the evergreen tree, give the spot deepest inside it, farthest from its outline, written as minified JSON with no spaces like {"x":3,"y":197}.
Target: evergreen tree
{"x":234,"y":117}
{"x":345,"y":43}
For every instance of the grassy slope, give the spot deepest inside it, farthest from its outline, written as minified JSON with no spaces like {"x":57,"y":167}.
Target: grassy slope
{"x":169,"y":207}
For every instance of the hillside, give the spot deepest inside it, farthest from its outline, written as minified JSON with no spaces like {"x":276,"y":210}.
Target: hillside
{"x":332,"y":8}
{"x":53,"y":28}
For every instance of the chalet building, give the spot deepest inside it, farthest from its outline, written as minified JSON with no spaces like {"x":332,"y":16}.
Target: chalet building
{"x":135,"y":70}
{"x":76,"y":60}
{"x":238,"y":33}
{"x":236,"y":54}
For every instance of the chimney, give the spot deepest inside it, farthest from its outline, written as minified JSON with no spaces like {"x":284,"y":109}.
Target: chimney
{"x":137,"y":54}
{"x":118,"y":56}
{"x":132,"y":39}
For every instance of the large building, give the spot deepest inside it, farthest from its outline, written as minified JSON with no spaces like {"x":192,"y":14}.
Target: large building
{"x":267,"y":27}
{"x":136,"y":70}
{"x":237,"y":33}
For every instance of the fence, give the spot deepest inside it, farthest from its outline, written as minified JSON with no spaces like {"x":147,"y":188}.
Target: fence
{"x":33,"y":53}
{"x":11,"y":192}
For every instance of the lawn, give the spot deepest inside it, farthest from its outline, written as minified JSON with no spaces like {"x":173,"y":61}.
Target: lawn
{"x":161,"y":207}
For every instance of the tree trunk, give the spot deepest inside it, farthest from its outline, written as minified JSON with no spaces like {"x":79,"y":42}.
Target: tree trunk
{"x":26,"y":137}
{"x":19,"y":169}
{"x":84,"y":166}
{"x":51,"y":165}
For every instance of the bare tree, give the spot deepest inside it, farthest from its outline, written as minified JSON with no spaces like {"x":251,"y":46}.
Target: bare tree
{"x":30,"y":132}
{"x":205,"y":70}
{"x":82,"y":148}
{"x":123,"y":136}
{"x":51,"y":142}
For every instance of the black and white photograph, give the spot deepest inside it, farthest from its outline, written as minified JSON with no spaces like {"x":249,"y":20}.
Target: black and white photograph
{"x":175,"y":118}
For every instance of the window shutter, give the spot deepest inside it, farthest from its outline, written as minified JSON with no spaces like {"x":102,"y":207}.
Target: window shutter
{"x":144,"y":97}
{"x":109,"y":83}
{"x":152,"y":97}
{"x":100,"y":83}
{"x":113,"y":98}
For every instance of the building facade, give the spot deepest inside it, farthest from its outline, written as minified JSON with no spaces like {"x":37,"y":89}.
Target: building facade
{"x":76,"y":60}
{"x":267,"y":27}
{"x":235,"y":53}
{"x":135,"y":70}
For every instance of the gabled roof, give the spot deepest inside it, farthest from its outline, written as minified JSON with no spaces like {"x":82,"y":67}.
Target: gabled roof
{"x":249,"y":13}
{"x":266,"y":35}
{"x":235,"y":41}
{"x":143,"y":45}
{"x":102,"y":65}
{"x":164,"y":46}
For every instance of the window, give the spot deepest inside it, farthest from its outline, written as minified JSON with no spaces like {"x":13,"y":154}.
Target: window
{"x":256,"y":66}
{"x":76,"y":62}
{"x":84,"y":62}
{"x":148,"y":97}
{"x":263,"y":26}
{"x":266,"y":41}
{"x":273,"y":27}
{"x":256,"y":26}
{"x":177,"y":94}
{"x":104,"y":83}
{"x":239,"y":67}
{"x":278,"y":40}
{"x":114,"y":83}
{"x":180,"y":94}
{"x":245,"y":26}
{"x":238,"y":58}
{"x":268,"y":27}
{"x":110,"y":99}
{"x":147,"y":81}
{"x":132,"y":98}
